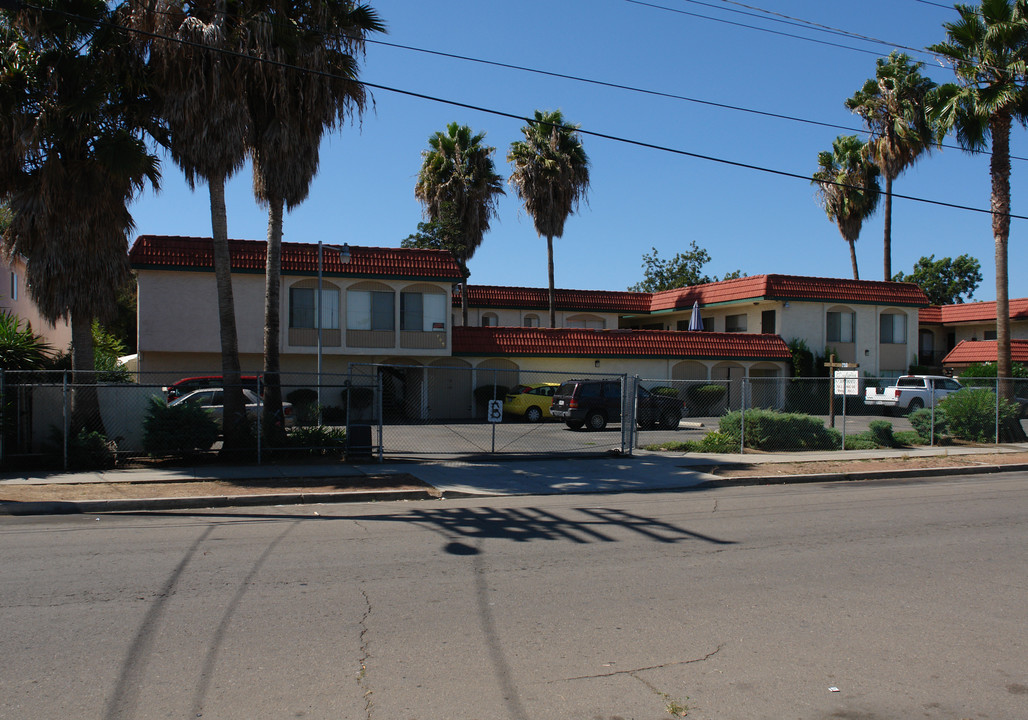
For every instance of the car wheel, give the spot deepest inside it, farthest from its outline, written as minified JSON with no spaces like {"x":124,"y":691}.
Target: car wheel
{"x":670,"y":421}
{"x":574,"y":424}
{"x":915,"y":404}
{"x":596,"y":420}
{"x":533,"y":414}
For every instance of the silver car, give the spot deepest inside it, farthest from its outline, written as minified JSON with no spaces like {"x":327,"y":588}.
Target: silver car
{"x":212,"y":400}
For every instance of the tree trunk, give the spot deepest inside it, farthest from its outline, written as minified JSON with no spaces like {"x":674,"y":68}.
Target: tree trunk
{"x":273,"y":421}
{"x":999,"y":126}
{"x":853,"y":258}
{"x":549,"y":271}
{"x":235,"y":427}
{"x":887,"y":241}
{"x":85,"y":401}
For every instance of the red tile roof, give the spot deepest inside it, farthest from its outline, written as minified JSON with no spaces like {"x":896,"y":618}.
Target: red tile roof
{"x":981,"y":351}
{"x":568,"y":342}
{"x":792,"y":287}
{"x":494,"y":296}
{"x":971,"y":312}
{"x":187,"y":253}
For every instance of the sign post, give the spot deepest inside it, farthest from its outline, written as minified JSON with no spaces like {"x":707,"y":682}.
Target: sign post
{"x":846,"y":382}
{"x":495,"y":415}
{"x":831,"y":396}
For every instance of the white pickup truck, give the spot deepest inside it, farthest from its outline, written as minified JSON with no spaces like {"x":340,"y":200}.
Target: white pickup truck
{"x":912,"y":392}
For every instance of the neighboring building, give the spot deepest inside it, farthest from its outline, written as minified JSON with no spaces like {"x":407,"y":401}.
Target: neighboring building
{"x":971,"y":352}
{"x":943,"y":327}
{"x":14,"y":298}
{"x":873,"y":323}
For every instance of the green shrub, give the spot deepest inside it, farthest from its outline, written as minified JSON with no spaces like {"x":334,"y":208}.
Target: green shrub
{"x":971,"y":414}
{"x":675,"y":446}
{"x":664,"y":390}
{"x":305,"y":405}
{"x":177,"y":429}
{"x":703,"y":399}
{"x":718,"y":442}
{"x":880,"y":432}
{"x":921,"y":421}
{"x":317,"y":440}
{"x":91,"y":451}
{"x":861,"y":441}
{"x":907,"y":437}
{"x":774,"y":430}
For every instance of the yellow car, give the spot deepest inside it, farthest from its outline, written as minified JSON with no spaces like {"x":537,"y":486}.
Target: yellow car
{"x":530,"y":401}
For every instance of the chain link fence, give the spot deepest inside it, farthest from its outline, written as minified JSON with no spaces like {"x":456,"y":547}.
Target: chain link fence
{"x":379,"y":412}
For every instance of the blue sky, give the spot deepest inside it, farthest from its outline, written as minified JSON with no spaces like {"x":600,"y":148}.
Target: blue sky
{"x":640,"y":198}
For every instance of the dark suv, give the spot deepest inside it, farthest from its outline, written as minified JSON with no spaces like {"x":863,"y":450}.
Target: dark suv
{"x":594,"y":403}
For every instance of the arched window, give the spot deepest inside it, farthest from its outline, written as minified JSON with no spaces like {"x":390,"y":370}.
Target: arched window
{"x":531,"y":321}
{"x":490,"y":319}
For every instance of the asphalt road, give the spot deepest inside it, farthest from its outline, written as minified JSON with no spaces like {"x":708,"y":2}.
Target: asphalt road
{"x":733,"y":603}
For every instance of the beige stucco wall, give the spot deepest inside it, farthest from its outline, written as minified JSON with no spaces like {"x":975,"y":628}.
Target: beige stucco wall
{"x":178,"y":327}
{"x":516,"y":318}
{"x":12,"y":283}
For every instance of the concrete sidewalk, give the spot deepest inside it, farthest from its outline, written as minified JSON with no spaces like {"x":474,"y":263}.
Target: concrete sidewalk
{"x":644,"y":471}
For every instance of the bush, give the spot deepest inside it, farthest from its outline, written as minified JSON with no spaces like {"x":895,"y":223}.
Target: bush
{"x":177,"y":429}
{"x":921,"y":421}
{"x":703,"y":399}
{"x":880,"y":432}
{"x":91,"y":451}
{"x":718,"y":442}
{"x":317,"y":440}
{"x":305,"y":405}
{"x":773,"y":430}
{"x":971,"y":414}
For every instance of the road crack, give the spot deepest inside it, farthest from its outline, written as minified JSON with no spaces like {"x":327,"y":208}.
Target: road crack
{"x":365,"y":654}
{"x":633,"y":671}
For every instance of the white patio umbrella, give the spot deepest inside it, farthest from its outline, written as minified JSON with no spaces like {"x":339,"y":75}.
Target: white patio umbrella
{"x":695,"y":323}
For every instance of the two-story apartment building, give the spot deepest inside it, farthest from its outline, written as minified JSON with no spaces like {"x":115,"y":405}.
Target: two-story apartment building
{"x":943,"y":327}
{"x":400,"y":307}
{"x":14,"y":298}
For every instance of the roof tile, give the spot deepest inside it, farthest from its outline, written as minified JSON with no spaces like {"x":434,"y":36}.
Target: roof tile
{"x":982,"y":351}
{"x":574,"y":342}
{"x":971,"y":312}
{"x":152,"y":251}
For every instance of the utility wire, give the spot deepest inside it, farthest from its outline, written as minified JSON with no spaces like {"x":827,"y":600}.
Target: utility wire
{"x":510,"y":116}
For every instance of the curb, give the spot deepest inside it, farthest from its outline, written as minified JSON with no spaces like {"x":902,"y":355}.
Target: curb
{"x":865,"y":475}
{"x":75,"y":507}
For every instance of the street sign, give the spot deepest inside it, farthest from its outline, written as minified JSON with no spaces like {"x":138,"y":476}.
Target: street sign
{"x":847,"y":382}
{"x":495,"y":411}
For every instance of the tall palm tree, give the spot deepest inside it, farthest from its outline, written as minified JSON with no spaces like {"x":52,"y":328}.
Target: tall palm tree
{"x":72,"y":157}
{"x":551,"y":176}
{"x":893,"y":108}
{"x":847,"y":188}
{"x":988,"y":47}
{"x":308,"y":86}
{"x":201,"y":99}
{"x":458,"y":183}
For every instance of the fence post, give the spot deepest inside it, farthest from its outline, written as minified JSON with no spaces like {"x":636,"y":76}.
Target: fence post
{"x":3,"y":415}
{"x":378,"y":402}
{"x":65,"y":401}
{"x":260,"y":419}
{"x":931,"y":399}
{"x":997,"y":408}
{"x":742,"y":415}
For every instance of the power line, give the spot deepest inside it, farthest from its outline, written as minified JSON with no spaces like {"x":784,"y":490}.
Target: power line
{"x":503,"y":114}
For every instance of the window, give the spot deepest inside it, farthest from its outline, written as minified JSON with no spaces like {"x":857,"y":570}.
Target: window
{"x":490,"y":320}
{"x":531,"y":321}
{"x":893,"y":328}
{"x":14,"y":286}
{"x":767,"y":322}
{"x":370,"y":310}
{"x":989,"y":335}
{"x":735,"y":323}
{"x":841,"y":327}
{"x":590,"y":323}
{"x":708,"y":324}
{"x":422,"y":312}
{"x":302,"y":312}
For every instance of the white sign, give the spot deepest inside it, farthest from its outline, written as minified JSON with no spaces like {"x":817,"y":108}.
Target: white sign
{"x":495,"y":411}
{"x":847,"y":382}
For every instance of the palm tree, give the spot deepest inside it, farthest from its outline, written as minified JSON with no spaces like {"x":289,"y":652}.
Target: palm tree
{"x":988,"y":47}
{"x":72,"y":157}
{"x":551,"y":176}
{"x":307,"y":85}
{"x":202,"y":101}
{"x":847,"y":185}
{"x":893,"y":108}
{"x":458,"y":184}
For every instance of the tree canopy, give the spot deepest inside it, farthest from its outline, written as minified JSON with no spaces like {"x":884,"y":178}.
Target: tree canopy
{"x":947,"y":280}
{"x":682,"y":270}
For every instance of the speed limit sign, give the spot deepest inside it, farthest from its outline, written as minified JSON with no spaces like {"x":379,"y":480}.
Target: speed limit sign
{"x":495,"y":411}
